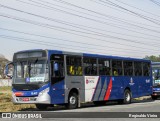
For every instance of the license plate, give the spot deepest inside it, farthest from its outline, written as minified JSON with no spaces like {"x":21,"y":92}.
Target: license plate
{"x":25,"y":99}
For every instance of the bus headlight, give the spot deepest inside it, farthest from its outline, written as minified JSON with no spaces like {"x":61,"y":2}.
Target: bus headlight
{"x":44,"y":97}
{"x":44,"y":91}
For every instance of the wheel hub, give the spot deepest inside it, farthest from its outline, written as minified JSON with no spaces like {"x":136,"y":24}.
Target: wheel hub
{"x":127,"y":97}
{"x":72,"y":100}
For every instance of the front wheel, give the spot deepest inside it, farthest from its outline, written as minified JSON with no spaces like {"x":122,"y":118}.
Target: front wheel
{"x":72,"y":101}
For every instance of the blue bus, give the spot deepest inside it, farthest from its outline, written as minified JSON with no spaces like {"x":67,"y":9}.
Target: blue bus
{"x":156,"y":80}
{"x":52,"y":77}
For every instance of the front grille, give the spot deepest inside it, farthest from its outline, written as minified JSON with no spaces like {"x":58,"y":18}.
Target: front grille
{"x":26,"y":87}
{"x":158,"y":93}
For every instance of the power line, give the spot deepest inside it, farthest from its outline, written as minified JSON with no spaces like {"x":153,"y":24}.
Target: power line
{"x":113,"y":25}
{"x":122,"y":28}
{"x":110,"y":7}
{"x":60,"y":39}
{"x":119,"y":10}
{"x":70,"y":29}
{"x":44,"y":43}
{"x":98,"y":13}
{"x":82,"y":27}
{"x":138,"y":8}
{"x":60,"y":44}
{"x":96,"y":45}
{"x":51,"y":26}
{"x":61,"y":29}
{"x":96,"y":33}
{"x":155,"y":2}
{"x":108,"y":16}
{"x":137,"y":14}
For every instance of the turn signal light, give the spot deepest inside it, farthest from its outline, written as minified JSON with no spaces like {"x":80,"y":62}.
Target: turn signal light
{"x":18,"y":93}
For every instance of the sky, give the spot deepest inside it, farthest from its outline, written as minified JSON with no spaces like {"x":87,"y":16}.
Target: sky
{"x":127,"y":28}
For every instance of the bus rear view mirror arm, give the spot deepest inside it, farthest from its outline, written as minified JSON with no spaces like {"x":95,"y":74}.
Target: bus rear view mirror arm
{"x":9,"y":70}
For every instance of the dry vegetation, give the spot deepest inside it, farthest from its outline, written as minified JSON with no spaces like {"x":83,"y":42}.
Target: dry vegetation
{"x":6,"y":104}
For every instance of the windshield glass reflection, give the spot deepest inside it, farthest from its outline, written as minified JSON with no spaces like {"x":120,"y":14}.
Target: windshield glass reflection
{"x":156,"y":76}
{"x":31,"y":71}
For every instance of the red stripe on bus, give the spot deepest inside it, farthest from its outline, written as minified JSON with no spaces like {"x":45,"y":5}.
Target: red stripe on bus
{"x":108,"y":92}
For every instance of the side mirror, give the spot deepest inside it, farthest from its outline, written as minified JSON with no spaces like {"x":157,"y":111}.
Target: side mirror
{"x":9,"y":70}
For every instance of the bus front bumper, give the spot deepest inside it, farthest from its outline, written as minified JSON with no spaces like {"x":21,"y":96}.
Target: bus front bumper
{"x":156,"y":94}
{"x":41,"y":99}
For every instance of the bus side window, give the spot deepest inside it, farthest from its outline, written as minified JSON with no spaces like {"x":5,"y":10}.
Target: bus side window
{"x":146,"y":69}
{"x":117,"y":68}
{"x":90,"y":66}
{"x":104,"y":67}
{"x":138,"y":68}
{"x":74,"y":65}
{"x":128,"y":68}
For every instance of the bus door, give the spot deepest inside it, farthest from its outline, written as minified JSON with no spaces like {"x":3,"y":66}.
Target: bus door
{"x":148,"y":79}
{"x":57,"y":79}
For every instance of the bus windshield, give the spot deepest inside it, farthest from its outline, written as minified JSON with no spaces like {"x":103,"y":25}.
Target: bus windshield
{"x":31,"y":71}
{"x":156,"y":76}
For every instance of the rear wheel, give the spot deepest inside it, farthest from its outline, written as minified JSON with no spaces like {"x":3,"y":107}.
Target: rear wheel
{"x":42,"y":106}
{"x":72,"y":101}
{"x":127,"y":97}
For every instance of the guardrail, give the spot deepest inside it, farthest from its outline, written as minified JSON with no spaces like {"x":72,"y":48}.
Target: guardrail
{"x":5,"y":82}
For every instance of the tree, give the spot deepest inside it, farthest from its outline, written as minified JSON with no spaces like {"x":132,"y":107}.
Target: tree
{"x":153,"y":58}
{"x":3,"y":62}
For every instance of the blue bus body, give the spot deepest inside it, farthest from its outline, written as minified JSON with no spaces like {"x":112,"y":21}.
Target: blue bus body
{"x":88,"y":88}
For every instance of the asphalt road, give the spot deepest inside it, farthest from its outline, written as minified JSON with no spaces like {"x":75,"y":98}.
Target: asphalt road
{"x":135,"y":106}
{"x":111,"y":109}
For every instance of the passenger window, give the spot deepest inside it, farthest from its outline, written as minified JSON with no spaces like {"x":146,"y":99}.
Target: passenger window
{"x":104,"y":67}
{"x":74,"y":65}
{"x":117,"y":68}
{"x":138,"y":68}
{"x":146,"y":69}
{"x":128,"y":68}
{"x":90,"y":66}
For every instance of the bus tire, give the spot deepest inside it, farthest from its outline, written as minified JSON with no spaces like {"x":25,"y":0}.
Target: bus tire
{"x":42,"y":106}
{"x":127,"y":97}
{"x":72,"y":101}
{"x":154,"y":97}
